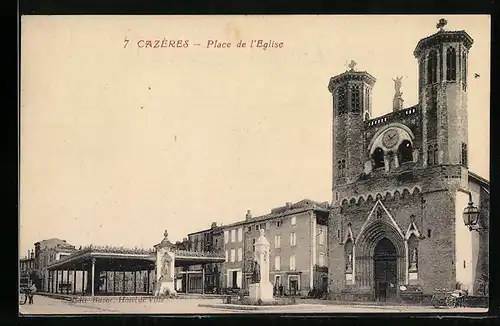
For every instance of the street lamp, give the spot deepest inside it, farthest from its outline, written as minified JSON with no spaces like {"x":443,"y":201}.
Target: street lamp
{"x":471,"y":216}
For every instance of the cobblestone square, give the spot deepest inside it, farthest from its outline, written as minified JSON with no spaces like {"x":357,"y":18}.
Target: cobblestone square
{"x":47,"y":306}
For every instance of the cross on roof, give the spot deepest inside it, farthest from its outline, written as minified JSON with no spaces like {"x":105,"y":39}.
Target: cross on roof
{"x":352,"y":64}
{"x":441,"y":24}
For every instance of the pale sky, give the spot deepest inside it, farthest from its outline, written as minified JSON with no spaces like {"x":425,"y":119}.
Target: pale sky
{"x":119,"y":144}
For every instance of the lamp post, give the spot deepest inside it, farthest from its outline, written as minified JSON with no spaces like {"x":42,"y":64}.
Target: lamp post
{"x":471,"y":216}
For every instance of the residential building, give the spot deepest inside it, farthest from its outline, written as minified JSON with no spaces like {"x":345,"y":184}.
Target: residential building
{"x":47,"y":251}
{"x":208,"y":240}
{"x":27,"y":266}
{"x":297,"y":233}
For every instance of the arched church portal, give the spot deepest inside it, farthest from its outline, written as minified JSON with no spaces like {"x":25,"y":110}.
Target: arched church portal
{"x":380,"y":262}
{"x":385,"y":270}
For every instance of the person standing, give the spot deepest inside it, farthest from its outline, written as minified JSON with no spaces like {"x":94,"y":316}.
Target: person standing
{"x":31,"y":293}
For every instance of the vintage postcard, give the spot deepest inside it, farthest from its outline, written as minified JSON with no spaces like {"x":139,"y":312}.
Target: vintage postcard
{"x":249,"y":164}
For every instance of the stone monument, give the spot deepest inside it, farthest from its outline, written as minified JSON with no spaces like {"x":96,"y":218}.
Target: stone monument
{"x":165,"y":263}
{"x":261,"y":288}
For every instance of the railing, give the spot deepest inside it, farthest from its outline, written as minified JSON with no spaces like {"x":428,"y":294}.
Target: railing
{"x":188,"y":253}
{"x":392,"y":116}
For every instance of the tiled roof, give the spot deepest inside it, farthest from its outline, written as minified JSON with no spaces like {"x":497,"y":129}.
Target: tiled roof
{"x":290,"y":209}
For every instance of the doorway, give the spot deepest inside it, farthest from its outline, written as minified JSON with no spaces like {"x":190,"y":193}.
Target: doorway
{"x":385,"y":274}
{"x":235,"y":279}
{"x":293,"y":285}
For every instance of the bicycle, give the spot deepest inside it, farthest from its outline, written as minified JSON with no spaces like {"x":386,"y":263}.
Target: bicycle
{"x":444,"y":298}
{"x":23,"y":296}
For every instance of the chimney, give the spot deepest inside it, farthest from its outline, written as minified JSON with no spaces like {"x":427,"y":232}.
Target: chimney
{"x":288,"y":205}
{"x":249,"y":215}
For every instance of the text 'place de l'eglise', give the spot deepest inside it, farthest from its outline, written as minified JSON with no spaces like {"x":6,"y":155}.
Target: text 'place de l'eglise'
{"x":407,"y":215}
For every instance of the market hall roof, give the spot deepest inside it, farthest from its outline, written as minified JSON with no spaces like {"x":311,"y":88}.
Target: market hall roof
{"x":136,"y":258}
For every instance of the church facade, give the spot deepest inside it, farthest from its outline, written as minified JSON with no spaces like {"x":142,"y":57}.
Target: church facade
{"x":401,"y":182}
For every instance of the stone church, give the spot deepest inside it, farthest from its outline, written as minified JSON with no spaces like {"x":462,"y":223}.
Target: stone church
{"x":401,"y":182}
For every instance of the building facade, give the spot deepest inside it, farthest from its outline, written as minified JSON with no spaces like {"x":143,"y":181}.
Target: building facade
{"x":401,"y":182}
{"x":208,"y":240}
{"x":27,"y":266}
{"x":46,"y":252}
{"x":298,"y":236}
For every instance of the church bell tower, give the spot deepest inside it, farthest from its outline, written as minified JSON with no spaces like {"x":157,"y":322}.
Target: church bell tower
{"x":442,"y":61}
{"x":351,"y":93}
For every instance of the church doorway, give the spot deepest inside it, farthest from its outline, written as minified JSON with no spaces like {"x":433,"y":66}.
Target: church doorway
{"x":385,"y":274}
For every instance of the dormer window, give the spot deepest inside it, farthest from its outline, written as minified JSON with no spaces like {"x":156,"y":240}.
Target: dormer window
{"x":405,"y":152}
{"x":378,"y":158}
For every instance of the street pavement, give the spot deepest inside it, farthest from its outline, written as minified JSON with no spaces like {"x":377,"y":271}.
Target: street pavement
{"x":45,"y":305}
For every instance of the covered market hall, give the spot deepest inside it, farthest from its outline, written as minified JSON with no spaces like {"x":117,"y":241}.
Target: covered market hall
{"x":103,"y":270}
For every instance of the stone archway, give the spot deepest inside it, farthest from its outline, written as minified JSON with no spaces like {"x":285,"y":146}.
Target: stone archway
{"x":366,"y":251}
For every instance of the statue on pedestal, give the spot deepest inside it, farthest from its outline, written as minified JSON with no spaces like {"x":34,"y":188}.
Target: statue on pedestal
{"x":256,"y":272}
{"x":414,"y":259}
{"x":398,"y":96}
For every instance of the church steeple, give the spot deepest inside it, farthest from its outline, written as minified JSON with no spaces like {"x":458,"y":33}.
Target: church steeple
{"x":443,"y":60}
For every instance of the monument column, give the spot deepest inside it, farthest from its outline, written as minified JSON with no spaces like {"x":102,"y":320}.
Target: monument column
{"x":165,"y":264}
{"x":261,"y":288}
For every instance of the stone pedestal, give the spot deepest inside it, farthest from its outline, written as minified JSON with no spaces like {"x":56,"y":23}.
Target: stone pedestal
{"x":261,"y":291}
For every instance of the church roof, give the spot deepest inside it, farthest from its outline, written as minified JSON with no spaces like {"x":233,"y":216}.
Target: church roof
{"x":443,"y":37}
{"x":351,"y":75}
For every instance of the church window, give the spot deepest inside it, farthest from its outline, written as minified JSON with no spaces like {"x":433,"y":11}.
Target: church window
{"x":432,"y":155}
{"x":451,"y":64}
{"x":368,"y":99}
{"x":341,"y":168}
{"x":378,"y":158}
{"x":342,"y":100}
{"x":405,"y":152}
{"x":464,"y":71}
{"x":463,"y":160}
{"x":428,"y":233}
{"x":432,"y":67}
{"x":355,"y":98}
{"x":421,"y":76}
